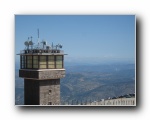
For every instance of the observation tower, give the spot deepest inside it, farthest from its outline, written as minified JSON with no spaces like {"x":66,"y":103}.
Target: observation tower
{"x":42,"y":67}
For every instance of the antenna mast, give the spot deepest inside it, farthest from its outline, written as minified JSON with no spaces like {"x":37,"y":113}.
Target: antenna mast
{"x":38,"y":33}
{"x":38,"y":37}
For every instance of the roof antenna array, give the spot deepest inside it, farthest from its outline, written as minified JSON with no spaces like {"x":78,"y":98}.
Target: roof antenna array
{"x":29,"y":43}
{"x":26,"y":43}
{"x":43,"y":45}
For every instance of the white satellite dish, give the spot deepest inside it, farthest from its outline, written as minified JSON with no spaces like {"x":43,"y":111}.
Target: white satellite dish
{"x":44,"y":42}
{"x":30,"y":42}
{"x":26,"y":43}
{"x":60,"y":46}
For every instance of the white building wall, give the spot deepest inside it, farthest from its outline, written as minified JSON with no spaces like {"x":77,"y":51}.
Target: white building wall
{"x":115,"y":102}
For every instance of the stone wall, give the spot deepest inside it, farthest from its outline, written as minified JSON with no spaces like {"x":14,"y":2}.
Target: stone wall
{"x":42,"y":74}
{"x":50,"y":92}
{"x":42,"y":92}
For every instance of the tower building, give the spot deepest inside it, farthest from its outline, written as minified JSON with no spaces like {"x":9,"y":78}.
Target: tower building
{"x":42,"y":67}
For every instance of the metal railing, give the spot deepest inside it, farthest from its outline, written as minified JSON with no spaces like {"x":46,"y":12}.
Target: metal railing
{"x":41,"y":51}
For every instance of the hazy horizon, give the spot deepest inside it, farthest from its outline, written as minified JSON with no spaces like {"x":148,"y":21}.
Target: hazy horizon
{"x":85,"y":38}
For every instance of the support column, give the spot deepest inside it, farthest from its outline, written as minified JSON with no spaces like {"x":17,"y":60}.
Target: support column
{"x":42,"y":92}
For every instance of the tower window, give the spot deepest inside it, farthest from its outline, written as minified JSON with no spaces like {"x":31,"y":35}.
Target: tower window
{"x":23,"y":61}
{"x":59,"y":62}
{"x":29,"y":61}
{"x":51,"y":62}
{"x":42,"y":62}
{"x":35,"y":61}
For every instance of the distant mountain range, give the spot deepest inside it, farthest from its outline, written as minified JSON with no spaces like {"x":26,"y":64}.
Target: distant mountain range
{"x":90,"y":82}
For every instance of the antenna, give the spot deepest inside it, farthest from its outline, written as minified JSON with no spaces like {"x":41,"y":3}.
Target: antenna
{"x":26,"y":43}
{"x":38,"y":33}
{"x":44,"y":43}
{"x":30,"y":42}
{"x":59,"y":46}
{"x":52,"y":45}
{"x":38,"y":37}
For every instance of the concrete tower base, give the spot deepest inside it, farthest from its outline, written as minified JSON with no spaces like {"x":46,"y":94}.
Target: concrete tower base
{"x":42,"y":92}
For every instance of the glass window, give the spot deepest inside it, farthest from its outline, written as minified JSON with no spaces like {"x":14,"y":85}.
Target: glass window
{"x":59,"y":62}
{"x":29,"y":57}
{"x":35,"y":57}
{"x":42,"y":57}
{"x":42,"y":62}
{"x":35,"y":66}
{"x":51,"y":66}
{"x":23,"y":61}
{"x":29,"y":66}
{"x":58,"y":66}
{"x":29,"y":61}
{"x":59,"y":57}
{"x":35,"y":62}
{"x":51,"y":61}
{"x":42,"y":66}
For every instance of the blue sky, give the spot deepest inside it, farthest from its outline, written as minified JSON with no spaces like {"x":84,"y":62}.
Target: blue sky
{"x":85,"y":38}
